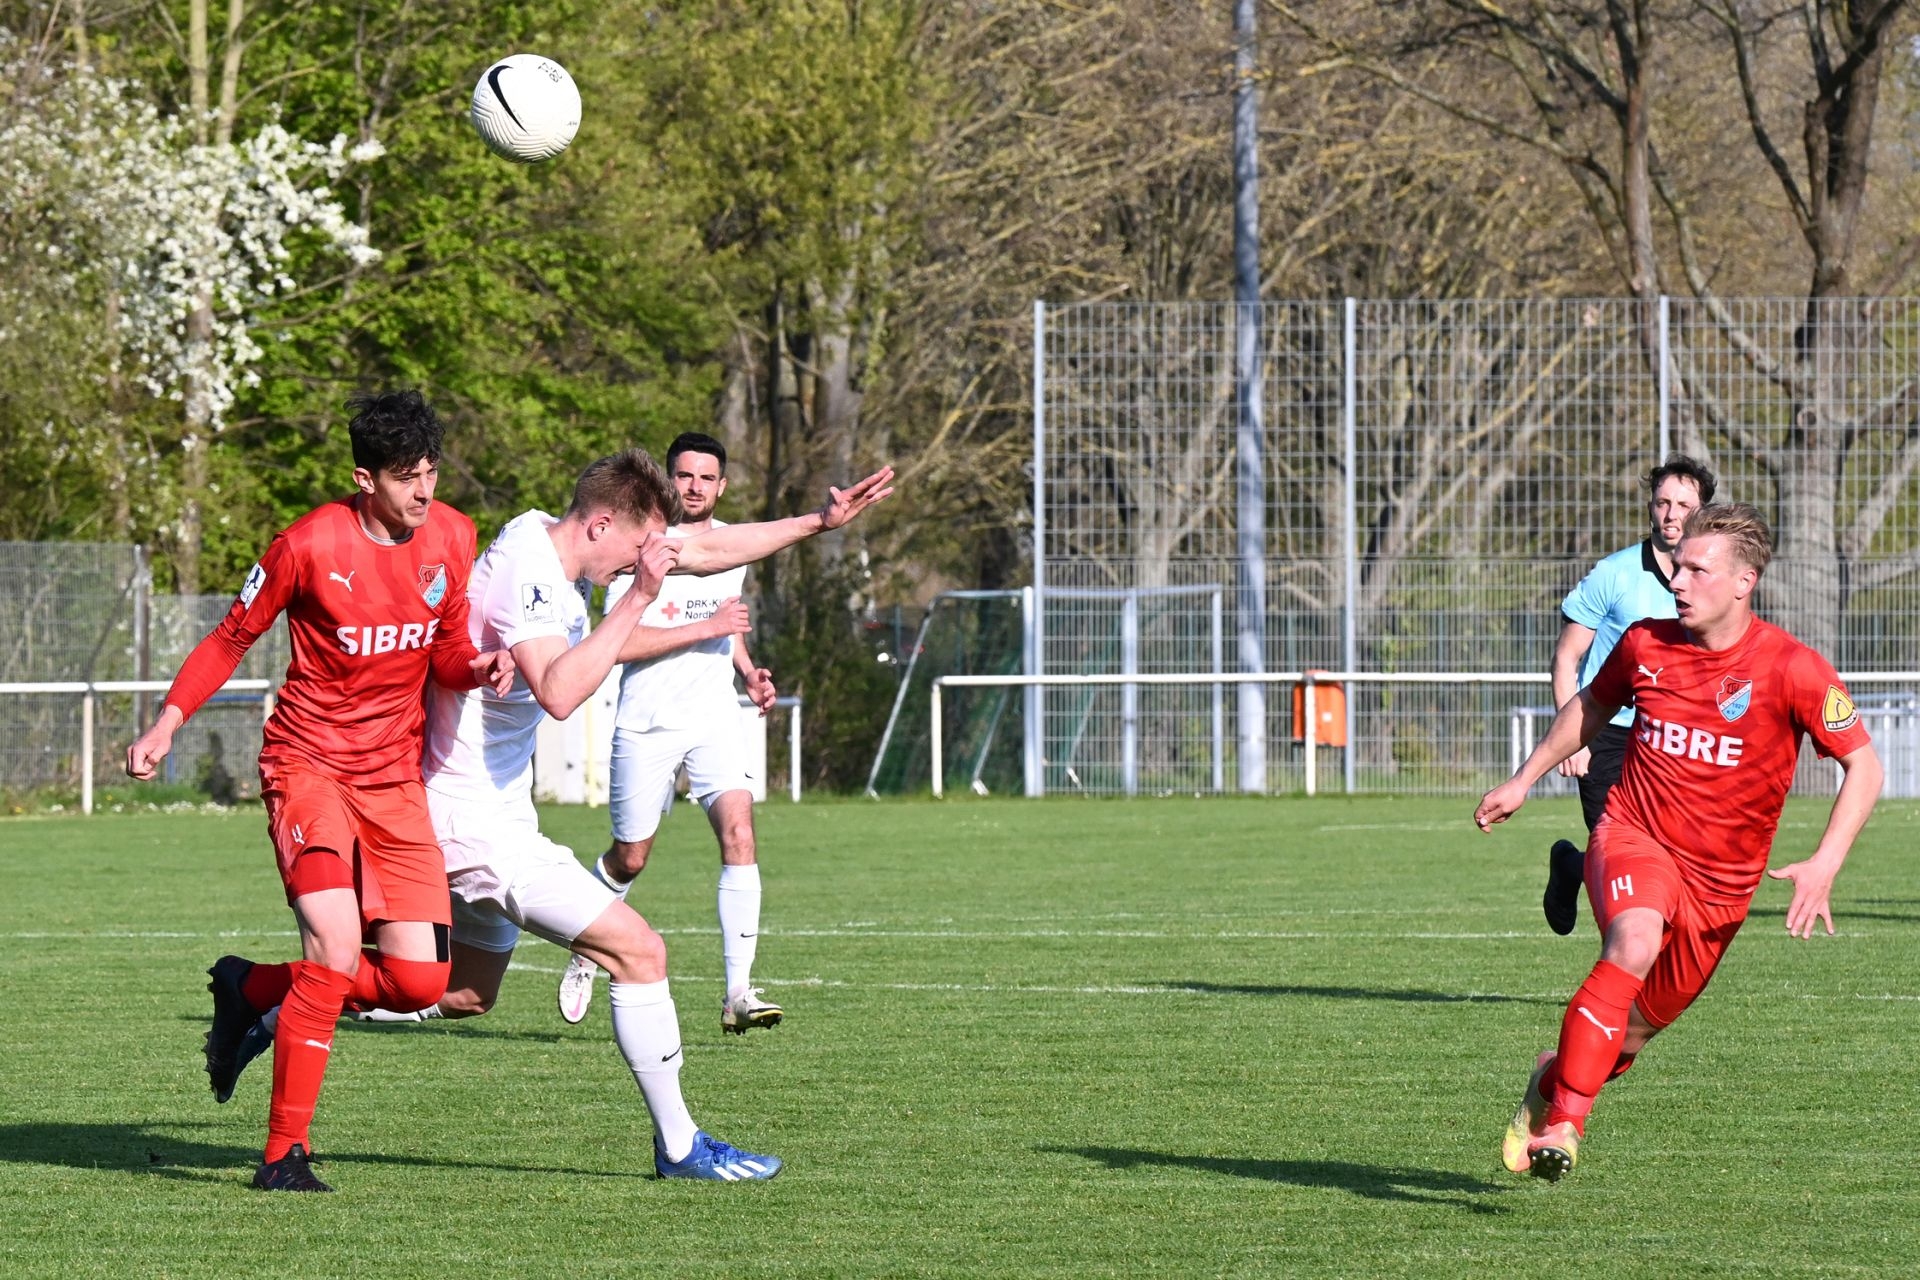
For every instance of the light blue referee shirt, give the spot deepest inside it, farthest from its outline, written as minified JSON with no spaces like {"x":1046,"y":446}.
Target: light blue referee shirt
{"x":1619,"y":591}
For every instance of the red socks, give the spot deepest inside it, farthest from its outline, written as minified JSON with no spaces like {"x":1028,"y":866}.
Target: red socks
{"x":400,"y":986}
{"x":301,"y":1045}
{"x":1592,"y":1035}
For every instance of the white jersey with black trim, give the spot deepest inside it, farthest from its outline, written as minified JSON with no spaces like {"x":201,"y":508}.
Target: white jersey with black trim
{"x":690,"y":688}
{"x":479,"y":744}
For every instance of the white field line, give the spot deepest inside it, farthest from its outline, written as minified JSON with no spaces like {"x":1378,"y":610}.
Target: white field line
{"x":1168,"y":990}
{"x":860,"y":930}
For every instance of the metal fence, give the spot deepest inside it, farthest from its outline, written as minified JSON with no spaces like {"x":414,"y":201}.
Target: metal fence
{"x":1432,"y":478}
{"x":86,"y":612}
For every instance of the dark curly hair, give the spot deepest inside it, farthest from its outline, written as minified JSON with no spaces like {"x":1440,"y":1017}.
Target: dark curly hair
{"x":393,"y":429}
{"x":1679,"y":464}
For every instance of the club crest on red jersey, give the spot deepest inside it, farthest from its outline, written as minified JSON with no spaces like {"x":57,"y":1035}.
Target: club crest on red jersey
{"x":433,"y":583}
{"x":1736,"y":695}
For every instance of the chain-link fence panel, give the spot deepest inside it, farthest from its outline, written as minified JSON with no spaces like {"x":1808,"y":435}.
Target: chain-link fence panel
{"x":1435,"y":476}
{"x":86,"y":612}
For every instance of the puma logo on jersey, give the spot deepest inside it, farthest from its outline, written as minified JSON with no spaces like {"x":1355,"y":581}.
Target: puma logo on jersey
{"x":1605,"y":1030}
{"x":346,"y":582}
{"x":1669,"y":738}
{"x":1653,"y":676}
{"x":385,"y":638}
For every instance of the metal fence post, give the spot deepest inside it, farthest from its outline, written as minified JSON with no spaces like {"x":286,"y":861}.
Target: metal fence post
{"x":935,"y":725}
{"x":1035,"y":696}
{"x":793,"y":751}
{"x":1665,"y":374}
{"x":1350,"y":431}
{"x":86,"y":750}
{"x":1307,"y":737}
{"x":1130,"y":693}
{"x":1216,"y":655}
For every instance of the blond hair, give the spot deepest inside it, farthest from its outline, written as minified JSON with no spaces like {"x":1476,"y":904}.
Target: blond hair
{"x":1741,"y":525}
{"x":629,"y":483}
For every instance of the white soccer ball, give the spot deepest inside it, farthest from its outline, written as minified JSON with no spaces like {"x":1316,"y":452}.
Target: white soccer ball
{"x":526,"y":108}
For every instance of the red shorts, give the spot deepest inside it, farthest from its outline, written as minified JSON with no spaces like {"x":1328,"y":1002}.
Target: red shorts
{"x":1628,"y":868}
{"x":387,"y":852}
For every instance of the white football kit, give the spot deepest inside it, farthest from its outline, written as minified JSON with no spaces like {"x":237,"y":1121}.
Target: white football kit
{"x":504,"y":874}
{"x":677,"y":709}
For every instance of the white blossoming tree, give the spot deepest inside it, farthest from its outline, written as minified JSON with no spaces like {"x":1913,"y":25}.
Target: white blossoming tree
{"x":177,"y":235}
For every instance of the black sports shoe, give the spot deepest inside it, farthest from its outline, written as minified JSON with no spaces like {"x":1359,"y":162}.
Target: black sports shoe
{"x":1566,"y":869}
{"x":289,"y":1173}
{"x":232,"y":1015}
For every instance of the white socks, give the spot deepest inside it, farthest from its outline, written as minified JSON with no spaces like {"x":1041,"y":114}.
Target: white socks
{"x":739,"y":900}
{"x":388,"y":1015}
{"x":647,"y":1030}
{"x":606,"y":877}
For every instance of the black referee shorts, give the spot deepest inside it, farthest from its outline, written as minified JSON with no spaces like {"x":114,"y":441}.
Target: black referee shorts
{"x":1605,"y":754}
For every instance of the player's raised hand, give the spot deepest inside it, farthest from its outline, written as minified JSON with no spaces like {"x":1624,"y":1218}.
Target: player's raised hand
{"x":1500,"y":804}
{"x":843,"y":505}
{"x":732,"y":618}
{"x":658,"y":556}
{"x":494,"y":670}
{"x":150,"y":748}
{"x":1812,"y":885}
{"x":760,"y":690}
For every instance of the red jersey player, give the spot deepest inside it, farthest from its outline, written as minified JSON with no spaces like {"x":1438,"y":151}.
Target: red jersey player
{"x":374,"y":589}
{"x":1721,"y":700}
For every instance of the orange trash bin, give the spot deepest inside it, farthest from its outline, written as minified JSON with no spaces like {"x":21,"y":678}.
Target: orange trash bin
{"x":1329,"y":713}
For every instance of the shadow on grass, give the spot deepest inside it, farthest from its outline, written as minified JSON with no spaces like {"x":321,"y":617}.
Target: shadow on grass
{"x":1374,"y":1182}
{"x":167,"y":1151}
{"x":1842,"y":913}
{"x":437,"y":1026}
{"x":1347,"y":993}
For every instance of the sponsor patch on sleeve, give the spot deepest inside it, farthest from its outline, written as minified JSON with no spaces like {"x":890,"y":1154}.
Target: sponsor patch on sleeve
{"x":256,"y":579}
{"x":537,"y":602}
{"x":1839,"y":712}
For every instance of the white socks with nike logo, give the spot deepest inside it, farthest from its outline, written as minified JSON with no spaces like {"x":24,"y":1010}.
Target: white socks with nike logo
{"x":647,"y":1030}
{"x":739,"y":899}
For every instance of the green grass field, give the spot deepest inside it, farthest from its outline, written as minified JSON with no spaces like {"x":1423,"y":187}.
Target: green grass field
{"x":1061,"y":1038}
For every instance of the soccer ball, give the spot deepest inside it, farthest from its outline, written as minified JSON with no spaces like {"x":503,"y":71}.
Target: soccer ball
{"x":526,"y":108}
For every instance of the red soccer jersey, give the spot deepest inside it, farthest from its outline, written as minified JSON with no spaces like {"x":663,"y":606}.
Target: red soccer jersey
{"x":368,"y":621}
{"x":1716,"y":737}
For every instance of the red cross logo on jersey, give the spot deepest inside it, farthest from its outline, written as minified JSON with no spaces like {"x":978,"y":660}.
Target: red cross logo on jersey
{"x":670,"y":610}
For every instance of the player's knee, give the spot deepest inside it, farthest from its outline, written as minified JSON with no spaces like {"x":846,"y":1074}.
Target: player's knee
{"x":413,"y":984}
{"x":641,"y":955}
{"x":628,"y":858}
{"x":736,"y":839}
{"x":1633,"y":951}
{"x":465,"y":1003}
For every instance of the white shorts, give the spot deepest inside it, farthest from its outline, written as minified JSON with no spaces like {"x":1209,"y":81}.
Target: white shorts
{"x":640,"y":788}
{"x":505,"y":876}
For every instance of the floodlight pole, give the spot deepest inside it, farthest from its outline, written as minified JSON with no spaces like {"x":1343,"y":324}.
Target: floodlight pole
{"x":1251,"y":487}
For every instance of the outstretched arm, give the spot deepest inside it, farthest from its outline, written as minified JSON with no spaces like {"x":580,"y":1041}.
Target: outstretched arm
{"x":1572,"y":729}
{"x":720,"y":549}
{"x":1813,"y":879}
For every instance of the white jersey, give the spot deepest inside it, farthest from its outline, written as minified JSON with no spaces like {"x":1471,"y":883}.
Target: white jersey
{"x":480,"y":745}
{"x":688,"y":688}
